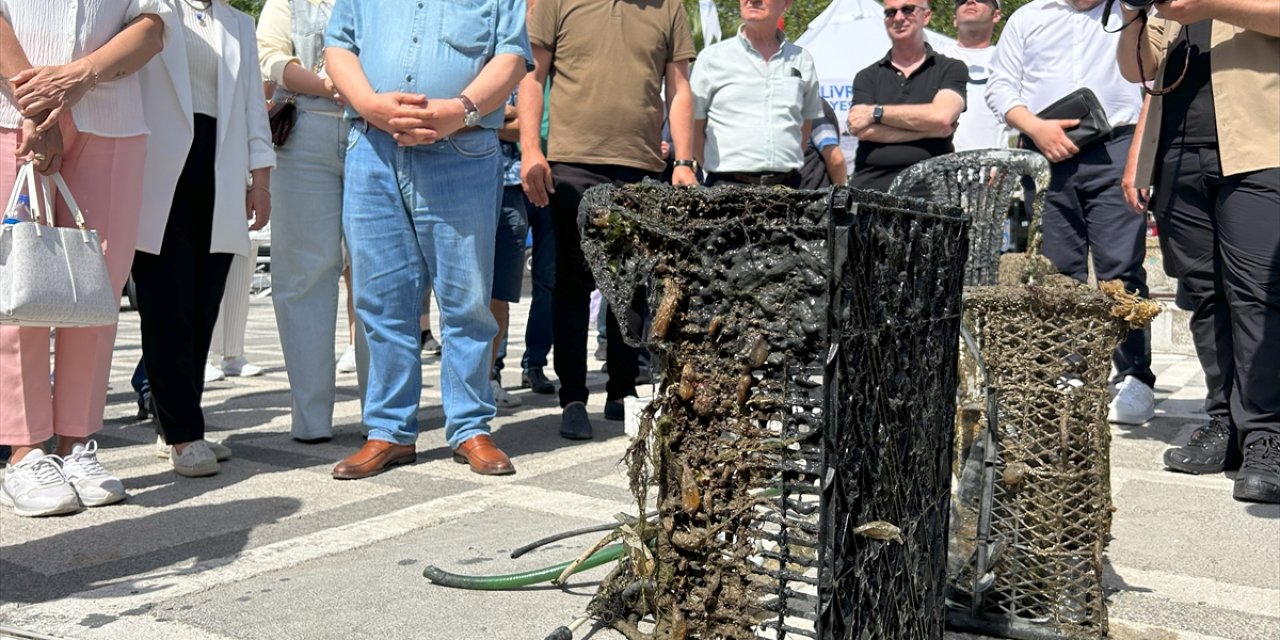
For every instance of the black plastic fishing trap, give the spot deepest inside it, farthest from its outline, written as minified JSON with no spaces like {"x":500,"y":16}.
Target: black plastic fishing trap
{"x":800,"y":439}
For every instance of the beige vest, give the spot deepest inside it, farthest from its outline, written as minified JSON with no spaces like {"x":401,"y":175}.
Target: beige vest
{"x":1245,"y":71}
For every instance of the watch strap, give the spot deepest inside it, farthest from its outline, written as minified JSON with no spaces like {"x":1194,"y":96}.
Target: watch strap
{"x":472,"y":113}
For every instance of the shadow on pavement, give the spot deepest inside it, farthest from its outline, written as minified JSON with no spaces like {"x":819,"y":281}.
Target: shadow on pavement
{"x":101,"y":555}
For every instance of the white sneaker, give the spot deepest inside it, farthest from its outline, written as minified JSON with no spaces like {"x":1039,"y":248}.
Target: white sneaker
{"x":347,"y":363}
{"x":36,"y":487}
{"x":1135,"y":402}
{"x":95,"y":486}
{"x":239,"y":367}
{"x":220,"y":451}
{"x":212,"y":373}
{"x":196,"y":460}
{"x":503,"y":399}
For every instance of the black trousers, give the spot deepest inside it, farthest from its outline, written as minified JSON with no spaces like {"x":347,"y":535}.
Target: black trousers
{"x":1220,"y":237}
{"x":179,"y":291}
{"x":1085,"y":214}
{"x":571,"y":300}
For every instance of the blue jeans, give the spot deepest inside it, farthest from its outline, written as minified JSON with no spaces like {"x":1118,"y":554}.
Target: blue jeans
{"x":413,"y":215}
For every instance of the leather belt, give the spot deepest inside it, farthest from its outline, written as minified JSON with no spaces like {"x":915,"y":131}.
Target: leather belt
{"x":760,"y":179}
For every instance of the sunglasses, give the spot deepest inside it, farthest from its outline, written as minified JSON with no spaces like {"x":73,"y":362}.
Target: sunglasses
{"x":907,"y":10}
{"x":990,"y":3}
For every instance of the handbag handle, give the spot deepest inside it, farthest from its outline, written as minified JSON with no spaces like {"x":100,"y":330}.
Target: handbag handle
{"x":69,"y":199}
{"x":19,"y":184}
{"x":72,"y":205}
{"x":26,"y":181}
{"x":42,"y":201}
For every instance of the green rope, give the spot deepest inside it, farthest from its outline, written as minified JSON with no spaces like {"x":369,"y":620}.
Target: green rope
{"x":523,"y":579}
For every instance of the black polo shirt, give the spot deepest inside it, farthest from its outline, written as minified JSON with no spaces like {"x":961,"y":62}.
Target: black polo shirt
{"x":877,"y":163}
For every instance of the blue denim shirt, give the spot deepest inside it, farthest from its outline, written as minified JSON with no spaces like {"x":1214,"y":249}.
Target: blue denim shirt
{"x":430,"y":47}
{"x":511,"y":156}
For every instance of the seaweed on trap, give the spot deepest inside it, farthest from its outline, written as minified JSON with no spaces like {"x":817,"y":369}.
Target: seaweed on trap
{"x":800,"y":439}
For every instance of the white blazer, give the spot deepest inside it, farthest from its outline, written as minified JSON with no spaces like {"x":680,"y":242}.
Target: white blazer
{"x":244,"y":136}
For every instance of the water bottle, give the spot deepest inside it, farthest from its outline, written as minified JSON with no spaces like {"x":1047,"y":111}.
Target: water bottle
{"x":21,"y":211}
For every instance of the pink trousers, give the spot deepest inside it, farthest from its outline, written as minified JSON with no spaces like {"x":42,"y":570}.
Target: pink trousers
{"x":105,"y":176}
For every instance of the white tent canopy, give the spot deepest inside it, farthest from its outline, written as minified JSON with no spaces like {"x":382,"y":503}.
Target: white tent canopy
{"x":845,"y":39}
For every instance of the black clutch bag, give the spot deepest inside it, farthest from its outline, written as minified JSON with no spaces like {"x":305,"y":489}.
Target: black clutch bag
{"x":1080,"y":105}
{"x":282,"y":116}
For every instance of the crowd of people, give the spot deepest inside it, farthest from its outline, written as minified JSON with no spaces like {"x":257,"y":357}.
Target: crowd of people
{"x":424,"y":141}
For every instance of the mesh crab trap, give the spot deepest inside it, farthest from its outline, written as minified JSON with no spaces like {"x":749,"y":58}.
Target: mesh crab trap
{"x":1032,"y":508}
{"x":800,"y":440}
{"x":983,"y":183}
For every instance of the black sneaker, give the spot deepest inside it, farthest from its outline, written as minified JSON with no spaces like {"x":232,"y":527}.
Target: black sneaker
{"x":1211,"y":449}
{"x":574,"y":424}
{"x":615,"y":410}
{"x":534,"y":379}
{"x":428,"y":344}
{"x":1259,"y":477}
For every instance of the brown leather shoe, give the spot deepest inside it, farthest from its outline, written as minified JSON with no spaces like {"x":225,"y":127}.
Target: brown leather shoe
{"x":484,"y":457}
{"x":374,"y":458}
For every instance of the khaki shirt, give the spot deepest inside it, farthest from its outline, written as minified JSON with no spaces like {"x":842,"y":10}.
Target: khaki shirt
{"x":1244,"y":68}
{"x":608,"y":63}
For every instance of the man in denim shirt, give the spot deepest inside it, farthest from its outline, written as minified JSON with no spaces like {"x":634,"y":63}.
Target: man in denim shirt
{"x":426,"y":83}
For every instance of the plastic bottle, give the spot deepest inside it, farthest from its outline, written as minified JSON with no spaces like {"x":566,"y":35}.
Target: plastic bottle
{"x":21,"y":211}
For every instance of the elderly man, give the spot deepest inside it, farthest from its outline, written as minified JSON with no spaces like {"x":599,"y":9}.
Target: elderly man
{"x":1049,"y":49}
{"x":422,"y":182}
{"x":1212,"y":149}
{"x":975,"y":21}
{"x":907,"y":103}
{"x":755,"y":99}
{"x":608,"y":62}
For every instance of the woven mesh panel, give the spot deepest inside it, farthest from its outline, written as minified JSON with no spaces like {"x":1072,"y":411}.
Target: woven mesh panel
{"x":807,"y":363}
{"x":1048,"y":353}
{"x":983,"y":184}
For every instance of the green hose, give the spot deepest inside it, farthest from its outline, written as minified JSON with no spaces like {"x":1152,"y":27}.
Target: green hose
{"x":523,"y":579}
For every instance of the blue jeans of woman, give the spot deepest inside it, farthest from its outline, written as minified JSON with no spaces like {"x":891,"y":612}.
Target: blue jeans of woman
{"x":306,"y":263}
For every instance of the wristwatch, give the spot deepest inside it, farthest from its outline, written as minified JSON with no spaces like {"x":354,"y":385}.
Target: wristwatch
{"x":877,"y":113}
{"x":685,"y":163}
{"x":471,"y":117}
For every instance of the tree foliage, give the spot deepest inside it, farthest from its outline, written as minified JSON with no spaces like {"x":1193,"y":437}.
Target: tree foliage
{"x":251,"y":7}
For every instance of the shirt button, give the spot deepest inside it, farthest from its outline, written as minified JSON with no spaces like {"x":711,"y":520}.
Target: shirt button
{"x":414,"y":38}
{"x":408,"y":78}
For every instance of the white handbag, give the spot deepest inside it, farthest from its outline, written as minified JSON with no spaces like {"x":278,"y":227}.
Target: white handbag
{"x":51,"y":276}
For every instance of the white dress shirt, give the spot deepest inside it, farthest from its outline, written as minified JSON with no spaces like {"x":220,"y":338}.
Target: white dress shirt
{"x":1048,"y":49}
{"x":53,"y":33}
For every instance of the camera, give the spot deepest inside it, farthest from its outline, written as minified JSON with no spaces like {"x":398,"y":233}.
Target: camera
{"x":1140,"y":5}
